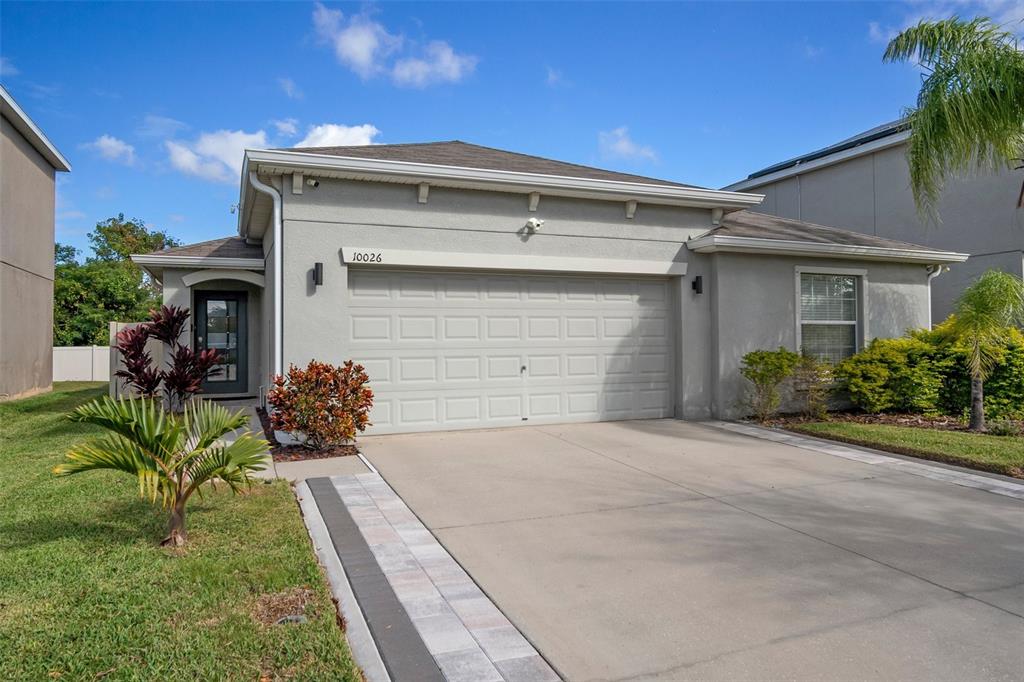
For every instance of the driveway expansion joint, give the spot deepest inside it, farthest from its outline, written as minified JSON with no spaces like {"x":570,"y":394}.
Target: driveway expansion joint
{"x":839,"y":451}
{"x":966,"y":479}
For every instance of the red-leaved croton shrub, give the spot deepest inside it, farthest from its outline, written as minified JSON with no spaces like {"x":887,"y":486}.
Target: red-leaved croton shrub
{"x":325,"y":404}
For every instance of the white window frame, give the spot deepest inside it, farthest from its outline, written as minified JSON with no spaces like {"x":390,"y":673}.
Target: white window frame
{"x":861,"y":333}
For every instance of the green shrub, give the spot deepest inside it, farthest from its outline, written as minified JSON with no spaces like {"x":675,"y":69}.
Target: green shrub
{"x":1004,"y":427}
{"x":812,"y":381}
{"x":766,"y":370}
{"x":892,"y":375}
{"x":1004,"y":388}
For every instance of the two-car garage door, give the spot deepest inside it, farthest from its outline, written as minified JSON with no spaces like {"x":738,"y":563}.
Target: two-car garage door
{"x":451,"y":350}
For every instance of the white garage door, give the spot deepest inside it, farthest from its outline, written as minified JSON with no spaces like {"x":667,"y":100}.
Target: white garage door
{"x":454,"y":351}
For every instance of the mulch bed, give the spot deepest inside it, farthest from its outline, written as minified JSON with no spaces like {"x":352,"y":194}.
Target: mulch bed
{"x":297,"y":453}
{"x":942,"y":423}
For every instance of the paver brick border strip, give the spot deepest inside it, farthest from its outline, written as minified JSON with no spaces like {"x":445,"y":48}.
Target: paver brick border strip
{"x":403,"y":651}
{"x":988,"y":483}
{"x":357,"y":632}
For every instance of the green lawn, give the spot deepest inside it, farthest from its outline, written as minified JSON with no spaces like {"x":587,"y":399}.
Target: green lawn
{"x":998,"y":454}
{"x":86,"y":593}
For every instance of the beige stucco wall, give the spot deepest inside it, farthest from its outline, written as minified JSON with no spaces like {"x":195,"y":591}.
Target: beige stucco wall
{"x":871,"y":194}
{"x":27,"y":193}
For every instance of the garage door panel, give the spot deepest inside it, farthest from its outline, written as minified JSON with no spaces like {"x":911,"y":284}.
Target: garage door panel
{"x":447,"y":350}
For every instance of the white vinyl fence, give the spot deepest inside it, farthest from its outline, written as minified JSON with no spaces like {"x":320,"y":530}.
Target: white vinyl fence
{"x":81,"y":363}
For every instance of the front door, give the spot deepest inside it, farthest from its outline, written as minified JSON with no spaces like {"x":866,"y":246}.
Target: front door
{"x":221,"y":325}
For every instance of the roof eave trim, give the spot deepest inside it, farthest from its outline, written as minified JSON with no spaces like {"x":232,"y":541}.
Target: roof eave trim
{"x":821,"y":162}
{"x":717,"y":243}
{"x":172,"y":261}
{"x":475,"y":178}
{"x":27,"y":127}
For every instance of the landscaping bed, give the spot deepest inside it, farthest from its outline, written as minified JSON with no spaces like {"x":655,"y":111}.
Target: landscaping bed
{"x":297,"y":453}
{"x":87,"y":593}
{"x":937,"y":440}
{"x":937,"y":422}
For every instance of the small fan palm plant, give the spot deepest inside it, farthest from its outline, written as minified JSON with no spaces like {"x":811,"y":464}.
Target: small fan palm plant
{"x":172,"y":455}
{"x":983,"y":313}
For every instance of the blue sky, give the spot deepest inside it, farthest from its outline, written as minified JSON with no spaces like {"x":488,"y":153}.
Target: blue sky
{"x":153,"y":102}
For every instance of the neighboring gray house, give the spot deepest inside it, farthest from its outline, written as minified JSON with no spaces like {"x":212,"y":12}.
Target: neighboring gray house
{"x":28,"y":166}
{"x":485,"y":288}
{"x":863,"y":184}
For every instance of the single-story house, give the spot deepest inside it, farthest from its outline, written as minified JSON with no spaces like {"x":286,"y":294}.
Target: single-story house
{"x":485,"y":288}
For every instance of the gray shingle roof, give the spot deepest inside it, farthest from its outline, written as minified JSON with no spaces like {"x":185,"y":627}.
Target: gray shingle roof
{"x":466,"y":155}
{"x":226,"y":247}
{"x":764,"y":226}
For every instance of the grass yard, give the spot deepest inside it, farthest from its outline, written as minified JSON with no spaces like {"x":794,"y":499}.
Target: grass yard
{"x":86,"y":593}
{"x":997,"y":454}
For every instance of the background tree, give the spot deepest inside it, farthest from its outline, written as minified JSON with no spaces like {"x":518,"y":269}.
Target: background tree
{"x":983,"y":313}
{"x":116,"y":239}
{"x":108,"y":286}
{"x":970,"y":110}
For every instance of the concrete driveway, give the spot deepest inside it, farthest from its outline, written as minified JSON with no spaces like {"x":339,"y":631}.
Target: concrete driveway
{"x":668,"y":550}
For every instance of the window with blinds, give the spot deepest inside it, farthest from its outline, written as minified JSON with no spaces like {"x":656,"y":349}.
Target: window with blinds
{"x":829,"y":306}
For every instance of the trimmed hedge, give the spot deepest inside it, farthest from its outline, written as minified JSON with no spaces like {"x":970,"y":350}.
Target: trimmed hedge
{"x":926,"y":372}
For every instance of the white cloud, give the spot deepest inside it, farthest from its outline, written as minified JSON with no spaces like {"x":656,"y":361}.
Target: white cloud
{"x":290,"y":89}
{"x":336,"y":135}
{"x":554,"y":76}
{"x":159,"y":126}
{"x":812,"y":51}
{"x":40,"y":91}
{"x":112,"y":149}
{"x":176,"y":218}
{"x":617,"y":144}
{"x":7,"y":67}
{"x":439,"y":64}
{"x":360,"y":43}
{"x":286,"y":126}
{"x":215,"y":156}
{"x":365,"y":46}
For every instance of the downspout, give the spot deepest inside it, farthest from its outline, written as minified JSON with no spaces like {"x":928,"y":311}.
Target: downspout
{"x":278,"y":269}
{"x":933,"y":272}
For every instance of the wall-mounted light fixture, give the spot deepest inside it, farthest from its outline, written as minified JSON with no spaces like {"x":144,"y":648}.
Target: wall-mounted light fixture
{"x":697,"y":284}
{"x":318,"y":274}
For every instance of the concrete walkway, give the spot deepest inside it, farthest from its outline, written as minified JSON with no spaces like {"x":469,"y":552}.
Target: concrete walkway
{"x":668,"y":550}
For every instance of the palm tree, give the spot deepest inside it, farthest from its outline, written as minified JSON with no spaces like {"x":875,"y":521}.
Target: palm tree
{"x":171,"y":455}
{"x":970,"y":110}
{"x":983,"y":312}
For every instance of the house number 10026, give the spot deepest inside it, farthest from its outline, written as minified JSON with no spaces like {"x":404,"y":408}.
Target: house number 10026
{"x":367,"y":257}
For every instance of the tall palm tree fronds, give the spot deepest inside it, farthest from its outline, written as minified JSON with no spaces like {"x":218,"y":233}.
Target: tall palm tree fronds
{"x":171,"y":455}
{"x":983,"y":312}
{"x":970,"y":110}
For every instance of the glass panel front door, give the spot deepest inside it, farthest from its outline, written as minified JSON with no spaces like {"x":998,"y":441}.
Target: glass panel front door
{"x":221,"y":325}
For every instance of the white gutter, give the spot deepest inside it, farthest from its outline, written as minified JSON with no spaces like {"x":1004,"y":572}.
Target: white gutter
{"x":31,"y":132}
{"x":172,"y":261}
{"x":714,"y":243}
{"x":278,"y":269}
{"x":933,"y":272}
{"x":326,"y":165}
